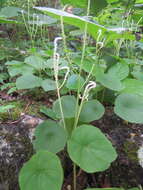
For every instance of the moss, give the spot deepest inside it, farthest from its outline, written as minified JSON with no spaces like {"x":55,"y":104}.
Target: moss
{"x":20,"y":105}
{"x":14,"y":113}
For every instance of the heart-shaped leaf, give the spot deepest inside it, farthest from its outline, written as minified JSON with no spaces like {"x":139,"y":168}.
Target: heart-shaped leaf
{"x":87,"y":65}
{"x":91,"y":110}
{"x":137,"y":74}
{"x":120,"y":70}
{"x":110,"y":81}
{"x":28,"y":81}
{"x":68,"y":107}
{"x":129,"y":107}
{"x":42,"y":172}
{"x":74,"y":82}
{"x":48,"y":112}
{"x":50,"y":136}
{"x":36,"y":62}
{"x":133,"y":86}
{"x":90,"y":149}
{"x":48,"y":85}
{"x":17,"y":68}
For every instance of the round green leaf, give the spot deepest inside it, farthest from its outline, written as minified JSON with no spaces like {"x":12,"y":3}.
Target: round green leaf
{"x":120,"y":70}
{"x":91,"y":110}
{"x":49,"y":63}
{"x":90,"y":149}
{"x":138,"y":74}
{"x":48,"y":112}
{"x":48,"y":85}
{"x":50,"y":136}
{"x":28,"y":81}
{"x":68,"y":107}
{"x":36,"y":62}
{"x":74,"y":82}
{"x":42,"y":172}
{"x":87,"y":65}
{"x":133,"y":86}
{"x":20,"y":69}
{"x":129,"y":107}
{"x":110,"y":81}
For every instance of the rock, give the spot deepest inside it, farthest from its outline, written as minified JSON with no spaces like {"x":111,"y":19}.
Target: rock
{"x":15,"y":149}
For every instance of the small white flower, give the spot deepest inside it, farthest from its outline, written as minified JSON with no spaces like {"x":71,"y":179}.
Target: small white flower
{"x":56,"y":44}
{"x":100,"y":45}
{"x":56,"y":56}
{"x":22,"y":11}
{"x":88,"y":87}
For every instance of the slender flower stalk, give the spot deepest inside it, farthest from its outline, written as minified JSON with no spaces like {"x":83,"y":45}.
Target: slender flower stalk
{"x":31,"y":25}
{"x":56,"y":58}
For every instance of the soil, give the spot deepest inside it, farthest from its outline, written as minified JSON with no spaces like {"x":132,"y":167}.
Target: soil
{"x":16,"y":148}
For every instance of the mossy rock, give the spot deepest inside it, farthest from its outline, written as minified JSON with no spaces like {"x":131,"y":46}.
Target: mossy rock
{"x":15,"y":149}
{"x":19,"y":107}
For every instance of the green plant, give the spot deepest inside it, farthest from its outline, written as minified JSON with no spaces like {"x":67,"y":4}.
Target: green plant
{"x":59,"y":134}
{"x":6,"y":108}
{"x":87,"y":146}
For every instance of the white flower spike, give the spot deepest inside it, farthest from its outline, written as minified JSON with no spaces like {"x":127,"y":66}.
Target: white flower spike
{"x":88,"y":87}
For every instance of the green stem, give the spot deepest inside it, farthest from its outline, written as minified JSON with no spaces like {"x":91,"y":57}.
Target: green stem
{"x":56,"y":70}
{"x":78,"y":113}
{"x":87,"y":78}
